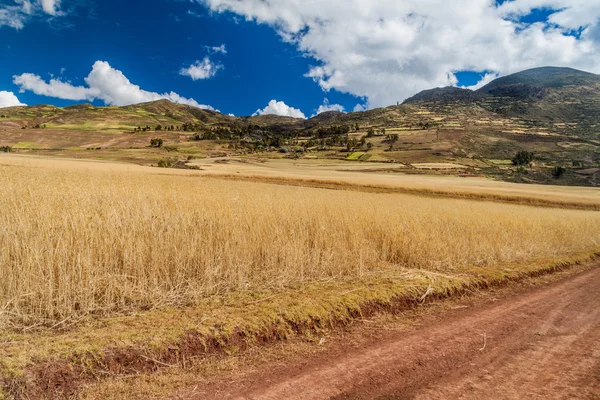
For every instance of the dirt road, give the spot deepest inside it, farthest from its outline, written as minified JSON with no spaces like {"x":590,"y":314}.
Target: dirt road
{"x":541,"y":343}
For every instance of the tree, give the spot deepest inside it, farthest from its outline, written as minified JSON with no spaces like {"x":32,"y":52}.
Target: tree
{"x":370,"y":132}
{"x":558,"y":172}
{"x":369,"y":146}
{"x":159,"y":127}
{"x":383,"y":131}
{"x":523,"y":158}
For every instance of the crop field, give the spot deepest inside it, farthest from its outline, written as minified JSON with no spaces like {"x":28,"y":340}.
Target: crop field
{"x":90,"y":242}
{"x":93,"y":253}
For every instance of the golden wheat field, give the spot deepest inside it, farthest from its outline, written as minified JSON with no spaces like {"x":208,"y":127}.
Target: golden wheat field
{"x":85,"y":242}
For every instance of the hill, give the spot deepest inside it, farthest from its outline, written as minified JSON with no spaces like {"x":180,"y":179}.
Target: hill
{"x":536,"y":81}
{"x":549,"y":97}
{"x":444,"y":94}
{"x":553,"y":112}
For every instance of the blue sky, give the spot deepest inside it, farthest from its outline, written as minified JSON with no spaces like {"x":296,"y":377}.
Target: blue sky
{"x":264,"y":59}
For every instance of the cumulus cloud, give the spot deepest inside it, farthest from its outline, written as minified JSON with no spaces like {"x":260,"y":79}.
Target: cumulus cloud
{"x":103,"y":83}
{"x":328,"y":107}
{"x":50,"y":6}
{"x":387,"y":50}
{"x":16,"y":13}
{"x":280,"y":108}
{"x":359,"y":108}
{"x":9,"y":99}
{"x":52,"y":88}
{"x":569,"y":14}
{"x":204,"y":69}
{"x":487,"y":78}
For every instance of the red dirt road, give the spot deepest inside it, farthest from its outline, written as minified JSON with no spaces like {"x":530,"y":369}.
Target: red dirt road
{"x":542,"y":343}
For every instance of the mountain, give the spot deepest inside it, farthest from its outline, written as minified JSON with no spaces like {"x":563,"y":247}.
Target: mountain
{"x":445,"y":94}
{"x":549,"y":97}
{"x":537,"y":82}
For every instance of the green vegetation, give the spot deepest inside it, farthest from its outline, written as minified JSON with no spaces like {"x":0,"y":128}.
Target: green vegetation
{"x":355,"y":156}
{"x":156,"y":142}
{"x":523,"y":158}
{"x":28,"y":145}
{"x":550,"y":111}
{"x":558,"y":172}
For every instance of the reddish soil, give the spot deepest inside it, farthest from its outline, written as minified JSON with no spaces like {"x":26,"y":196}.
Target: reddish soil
{"x":533,"y":343}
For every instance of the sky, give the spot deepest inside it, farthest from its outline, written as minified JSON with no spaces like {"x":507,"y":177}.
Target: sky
{"x":287,"y":57}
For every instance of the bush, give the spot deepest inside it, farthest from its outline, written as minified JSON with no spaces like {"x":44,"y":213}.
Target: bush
{"x":5,"y":149}
{"x":521,"y":170}
{"x":164,"y":164}
{"x":558,"y":172}
{"x":523,"y":158}
{"x":156,"y":142}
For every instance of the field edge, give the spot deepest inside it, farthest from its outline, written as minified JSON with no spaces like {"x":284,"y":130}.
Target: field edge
{"x":263,"y":318}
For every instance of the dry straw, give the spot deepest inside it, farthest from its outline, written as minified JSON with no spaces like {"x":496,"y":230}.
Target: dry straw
{"x":90,"y":242}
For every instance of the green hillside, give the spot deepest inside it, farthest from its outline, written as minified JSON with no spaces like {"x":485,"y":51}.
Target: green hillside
{"x":552,"y":112}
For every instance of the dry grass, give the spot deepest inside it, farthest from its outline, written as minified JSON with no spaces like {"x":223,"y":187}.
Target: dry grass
{"x":80,"y":242}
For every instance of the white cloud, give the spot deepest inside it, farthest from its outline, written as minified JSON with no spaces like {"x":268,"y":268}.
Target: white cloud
{"x":570,"y":14}
{"x":328,"y":107}
{"x":217,"y":49}
{"x":194,"y":14}
{"x":359,"y":107}
{"x":17,"y":12}
{"x":50,"y":6}
{"x":487,"y":78}
{"x":103,"y":83}
{"x":280,"y":108}
{"x":9,"y":99}
{"x":204,"y":69}
{"x":15,"y":15}
{"x":53,"y":88}
{"x":388,"y":50}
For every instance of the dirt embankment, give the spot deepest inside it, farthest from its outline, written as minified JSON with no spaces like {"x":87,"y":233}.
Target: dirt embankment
{"x":539,"y":344}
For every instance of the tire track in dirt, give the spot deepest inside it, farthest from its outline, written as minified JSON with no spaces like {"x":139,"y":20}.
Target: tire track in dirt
{"x":541,"y":344}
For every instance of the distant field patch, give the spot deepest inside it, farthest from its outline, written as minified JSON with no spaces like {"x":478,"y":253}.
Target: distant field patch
{"x":438,"y":166}
{"x":28,"y":145}
{"x":355,"y":156}
{"x":501,"y":162}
